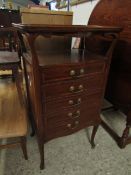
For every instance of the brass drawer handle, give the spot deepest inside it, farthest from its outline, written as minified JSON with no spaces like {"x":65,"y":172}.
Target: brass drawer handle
{"x":78,"y":113}
{"x":70,"y":114}
{"x":80,"y":87}
{"x":69,"y":125}
{"x":72,"y":88}
{"x":72,"y":72}
{"x":82,"y":71}
{"x":79,"y":100}
{"x":71,"y":102}
{"x":73,"y":116}
{"x":76,"y":124}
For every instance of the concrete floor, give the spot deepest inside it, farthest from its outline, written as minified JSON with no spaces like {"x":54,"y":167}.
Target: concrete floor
{"x":72,"y":155}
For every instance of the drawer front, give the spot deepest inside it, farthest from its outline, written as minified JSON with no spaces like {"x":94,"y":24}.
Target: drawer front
{"x":75,"y":102}
{"x":57,"y":128}
{"x":70,"y":71}
{"x":63,"y":88}
{"x":77,"y":113}
{"x":64,"y":121}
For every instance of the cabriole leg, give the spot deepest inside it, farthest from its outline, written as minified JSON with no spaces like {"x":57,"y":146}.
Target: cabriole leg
{"x":95,"y":128}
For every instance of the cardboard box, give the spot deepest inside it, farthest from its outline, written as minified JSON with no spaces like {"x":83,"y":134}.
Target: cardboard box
{"x":45,"y":16}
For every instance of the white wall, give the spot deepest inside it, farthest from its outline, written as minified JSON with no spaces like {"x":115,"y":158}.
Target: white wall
{"x":81,"y":12}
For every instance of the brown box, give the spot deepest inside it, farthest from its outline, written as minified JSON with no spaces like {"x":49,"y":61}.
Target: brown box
{"x":45,"y":16}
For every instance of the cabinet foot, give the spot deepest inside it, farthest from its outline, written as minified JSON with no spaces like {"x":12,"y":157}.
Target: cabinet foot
{"x":41,"y":150}
{"x":95,"y":128}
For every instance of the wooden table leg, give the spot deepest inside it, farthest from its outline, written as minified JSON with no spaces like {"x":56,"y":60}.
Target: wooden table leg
{"x":124,"y":139}
{"x":125,"y":136}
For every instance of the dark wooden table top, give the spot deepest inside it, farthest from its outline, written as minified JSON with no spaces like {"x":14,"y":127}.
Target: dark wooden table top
{"x":65,"y":29}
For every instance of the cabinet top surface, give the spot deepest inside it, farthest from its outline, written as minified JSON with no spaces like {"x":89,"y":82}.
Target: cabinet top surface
{"x":65,"y":29}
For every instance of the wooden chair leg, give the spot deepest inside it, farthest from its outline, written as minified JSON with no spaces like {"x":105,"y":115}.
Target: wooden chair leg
{"x":95,"y":128}
{"x":13,"y":75}
{"x":23,"y":146}
{"x":18,"y":84}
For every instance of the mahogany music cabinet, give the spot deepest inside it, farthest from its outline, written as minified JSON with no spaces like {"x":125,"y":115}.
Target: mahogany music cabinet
{"x":65,"y":86}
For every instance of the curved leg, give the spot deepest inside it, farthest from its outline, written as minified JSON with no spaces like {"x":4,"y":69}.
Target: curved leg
{"x":32,"y":123}
{"x":31,"y":118}
{"x":95,"y":128}
{"x":19,"y":89}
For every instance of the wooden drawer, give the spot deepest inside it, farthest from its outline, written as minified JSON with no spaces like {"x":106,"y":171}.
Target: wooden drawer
{"x":60,"y":130}
{"x":73,"y":103}
{"x":76,"y":113}
{"x":52,"y":73}
{"x":65,"y":126}
{"x":88,"y":85}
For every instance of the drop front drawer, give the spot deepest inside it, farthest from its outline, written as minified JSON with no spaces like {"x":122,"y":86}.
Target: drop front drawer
{"x":77,"y":113}
{"x":52,"y":73}
{"x":88,"y":85}
{"x":72,"y":103}
{"x":65,"y":126}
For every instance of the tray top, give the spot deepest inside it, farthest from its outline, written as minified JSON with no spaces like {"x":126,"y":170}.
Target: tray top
{"x":65,"y":29}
